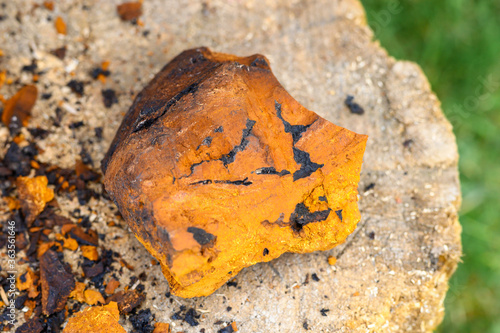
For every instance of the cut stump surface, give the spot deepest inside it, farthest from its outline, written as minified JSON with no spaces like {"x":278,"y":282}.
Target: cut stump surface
{"x":391,"y":274}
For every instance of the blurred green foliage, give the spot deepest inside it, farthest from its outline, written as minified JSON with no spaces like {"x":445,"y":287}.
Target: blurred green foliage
{"x":457,"y":44}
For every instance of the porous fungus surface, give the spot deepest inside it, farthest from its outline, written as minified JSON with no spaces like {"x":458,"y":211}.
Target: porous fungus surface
{"x":216,"y":167}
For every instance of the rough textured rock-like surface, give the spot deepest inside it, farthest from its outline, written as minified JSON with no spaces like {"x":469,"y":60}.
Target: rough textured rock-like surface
{"x":216,"y":167}
{"x":391,"y":274}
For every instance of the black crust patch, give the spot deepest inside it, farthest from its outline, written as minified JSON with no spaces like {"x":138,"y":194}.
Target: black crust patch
{"x":206,"y":142}
{"x":302,"y":216}
{"x":307,"y":167}
{"x":201,"y":236}
{"x":265,"y":252}
{"x":353,"y":106}
{"x":243,"y":182}
{"x":296,"y":130}
{"x":271,"y":171}
{"x":339,"y":214}
{"x":229,"y":157}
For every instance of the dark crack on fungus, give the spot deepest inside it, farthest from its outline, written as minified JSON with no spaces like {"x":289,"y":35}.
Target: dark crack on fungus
{"x":206,"y":142}
{"x":307,"y":167}
{"x":243,"y":182}
{"x":295,"y":130}
{"x":339,"y":214}
{"x":156,"y":109}
{"x":229,"y":157}
{"x":202,"y":182}
{"x":271,"y":171}
{"x":302,"y":216}
{"x":201,"y":236}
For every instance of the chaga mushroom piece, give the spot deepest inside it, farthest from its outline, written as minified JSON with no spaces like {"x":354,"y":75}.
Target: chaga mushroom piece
{"x":216,"y":167}
{"x":97,"y":319}
{"x":34,"y":195}
{"x":57,"y":283}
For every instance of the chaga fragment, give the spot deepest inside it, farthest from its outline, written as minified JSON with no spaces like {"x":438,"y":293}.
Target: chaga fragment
{"x":92,"y":269}
{"x":127,"y":301}
{"x":92,"y":297}
{"x":111,"y":286}
{"x":45,"y":246}
{"x":59,"y":52}
{"x":97,"y":319}
{"x":353,"y":106}
{"x":229,"y":329}
{"x":70,"y":243}
{"x":18,"y":107}
{"x":78,"y":292}
{"x":109,"y":97}
{"x":162,"y":328}
{"x":34,"y":195}
{"x":129,"y":11}
{"x":216,"y":167}
{"x":84,"y":238}
{"x":60,"y":25}
{"x":142,"y":321}
{"x":31,"y":326}
{"x":90,"y":252}
{"x":57,"y":283}
{"x":49,"y":5}
{"x":28,"y":281}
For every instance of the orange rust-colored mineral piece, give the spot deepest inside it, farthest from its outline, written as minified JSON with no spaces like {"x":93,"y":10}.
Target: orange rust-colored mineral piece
{"x":216,"y":167}
{"x":97,"y":319}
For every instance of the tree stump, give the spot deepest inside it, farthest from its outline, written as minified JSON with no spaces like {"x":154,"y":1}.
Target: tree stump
{"x":392,"y":273}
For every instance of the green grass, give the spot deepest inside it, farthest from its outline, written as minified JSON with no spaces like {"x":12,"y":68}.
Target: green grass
{"x":457,"y":43}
